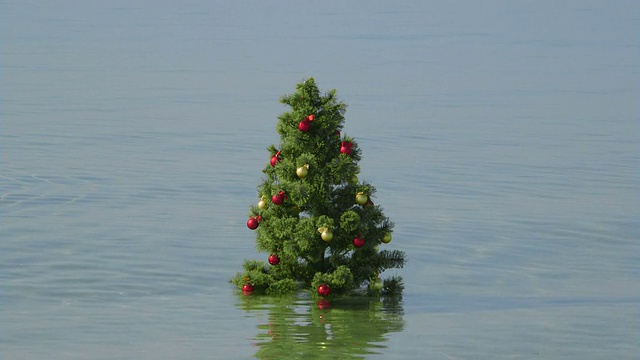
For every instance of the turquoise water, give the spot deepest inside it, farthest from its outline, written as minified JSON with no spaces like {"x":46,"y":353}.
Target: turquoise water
{"x":502,"y":139}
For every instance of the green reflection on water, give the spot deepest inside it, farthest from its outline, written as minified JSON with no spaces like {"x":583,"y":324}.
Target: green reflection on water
{"x":295,"y":327}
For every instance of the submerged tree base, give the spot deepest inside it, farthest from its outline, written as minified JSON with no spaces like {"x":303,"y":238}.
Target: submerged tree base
{"x":257,"y":274}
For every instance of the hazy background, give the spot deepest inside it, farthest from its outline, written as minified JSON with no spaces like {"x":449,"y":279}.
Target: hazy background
{"x":502,"y":138}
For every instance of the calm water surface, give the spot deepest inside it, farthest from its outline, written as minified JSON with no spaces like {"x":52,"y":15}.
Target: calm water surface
{"x":502,"y":139}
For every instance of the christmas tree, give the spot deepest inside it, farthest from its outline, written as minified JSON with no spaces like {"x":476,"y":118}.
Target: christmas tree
{"x":315,"y":219}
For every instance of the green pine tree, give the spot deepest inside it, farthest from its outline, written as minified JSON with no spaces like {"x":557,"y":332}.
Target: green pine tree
{"x":314,"y":218}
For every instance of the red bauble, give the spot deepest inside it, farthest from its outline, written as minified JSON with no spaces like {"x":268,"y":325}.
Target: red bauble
{"x":323,"y":304}
{"x":252,"y":223}
{"x":311,"y":117}
{"x":274,"y":259}
{"x":358,"y":242}
{"x":278,"y":198}
{"x":275,"y":159}
{"x":324,"y":290}
{"x":247,"y":289}
{"x":345,"y":148}
{"x":304,"y":125}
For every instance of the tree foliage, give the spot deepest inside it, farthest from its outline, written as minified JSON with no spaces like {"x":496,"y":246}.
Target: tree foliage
{"x":322,"y":197}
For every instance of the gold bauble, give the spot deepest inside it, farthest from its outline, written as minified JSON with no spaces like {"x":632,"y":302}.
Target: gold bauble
{"x":262,"y":204}
{"x":376,"y":285}
{"x":325,"y":233}
{"x":303,"y":171}
{"x":361,"y":198}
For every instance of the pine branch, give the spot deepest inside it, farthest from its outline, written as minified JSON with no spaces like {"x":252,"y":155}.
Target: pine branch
{"x":391,"y":259}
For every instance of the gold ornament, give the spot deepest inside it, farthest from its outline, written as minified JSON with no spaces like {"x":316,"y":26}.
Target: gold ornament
{"x":376,"y":284}
{"x":386,"y":238}
{"x":262,"y":204}
{"x":325,"y":234}
{"x":361,"y":198}
{"x":303,"y":171}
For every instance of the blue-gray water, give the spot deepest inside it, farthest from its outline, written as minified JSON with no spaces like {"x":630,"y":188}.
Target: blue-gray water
{"x":502,"y":137}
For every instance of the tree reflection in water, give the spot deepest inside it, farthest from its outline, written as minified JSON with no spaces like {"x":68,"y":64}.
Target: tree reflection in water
{"x":297,"y":326}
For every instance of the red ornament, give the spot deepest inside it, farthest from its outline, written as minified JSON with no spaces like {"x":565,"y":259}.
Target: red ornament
{"x":274,"y":259}
{"x":358,"y":242}
{"x":247,"y":289}
{"x":304,"y":125}
{"x":311,"y":117}
{"x":275,"y":159}
{"x":278,"y":198}
{"x":324,"y":290}
{"x":252,"y":223}
{"x":345,"y":148}
{"x":323,"y":304}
